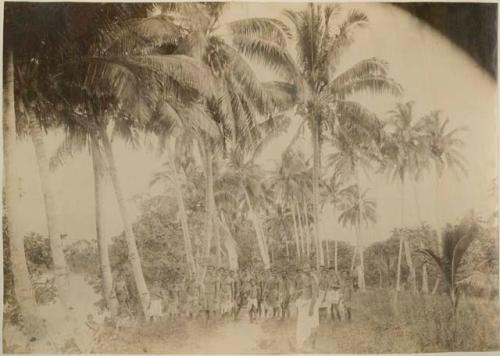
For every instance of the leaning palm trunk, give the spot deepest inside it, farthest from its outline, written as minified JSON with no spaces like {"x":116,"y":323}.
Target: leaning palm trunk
{"x":183,"y":217}
{"x":258,"y":232}
{"x":398,"y":277}
{"x":133,"y":253}
{"x":53,"y":217}
{"x":302,"y":236}
{"x":409,"y":261}
{"x":296,"y":233}
{"x":51,"y":210}
{"x":316,"y":173}
{"x":22,"y":285}
{"x":102,"y":243}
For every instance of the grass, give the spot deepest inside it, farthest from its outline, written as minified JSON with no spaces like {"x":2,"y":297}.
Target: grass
{"x":415,"y":323}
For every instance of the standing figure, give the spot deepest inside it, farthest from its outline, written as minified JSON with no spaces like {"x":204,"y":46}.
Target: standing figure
{"x":346,"y":292}
{"x":284,"y":295}
{"x":155,"y":304}
{"x":253,"y":307}
{"x":210,"y":293}
{"x":333,"y":294}
{"x":307,"y":308}
{"x":324,"y":303}
{"x":122,"y":295}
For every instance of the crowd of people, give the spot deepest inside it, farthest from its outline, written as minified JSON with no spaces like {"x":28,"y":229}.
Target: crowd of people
{"x":262,"y":293}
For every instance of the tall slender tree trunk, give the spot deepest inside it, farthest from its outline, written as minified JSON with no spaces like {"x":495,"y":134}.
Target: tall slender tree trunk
{"x":53,"y":217}
{"x":409,"y":261}
{"x":401,"y":237}
{"x":398,"y":277}
{"x":102,"y":242}
{"x":361,"y":275}
{"x":307,"y":231}
{"x":316,"y":175}
{"x":437,"y":222}
{"x":183,"y":216}
{"x":327,"y":253}
{"x":296,"y":233}
{"x":336,"y":257}
{"x":303,"y":243}
{"x":287,"y":233}
{"x":22,"y":285}
{"x":133,"y":253}
{"x":258,"y":232}
{"x":425,"y":281}
{"x":354,"y":257}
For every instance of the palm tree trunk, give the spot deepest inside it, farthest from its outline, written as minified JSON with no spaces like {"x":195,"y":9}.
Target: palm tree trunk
{"x":327,"y":253}
{"x":379,"y":279}
{"x":102,"y":243}
{"x":307,"y":231}
{"x":398,"y":277}
{"x":22,"y":285}
{"x":302,"y":236}
{"x":316,"y":174}
{"x":436,"y":285}
{"x":353,"y":257}
{"x":296,"y":232}
{"x":183,"y":216}
{"x":401,"y":237}
{"x":425,"y":282}
{"x":409,"y":261}
{"x":51,"y":209}
{"x":258,"y":232}
{"x":361,"y":275}
{"x":133,"y":253}
{"x":287,"y":233}
{"x":53,"y":217}
{"x":336,"y":257}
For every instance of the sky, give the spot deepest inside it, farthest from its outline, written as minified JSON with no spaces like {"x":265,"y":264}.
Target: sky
{"x":434,"y":73}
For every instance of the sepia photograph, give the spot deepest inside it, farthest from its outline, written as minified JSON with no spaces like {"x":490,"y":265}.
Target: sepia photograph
{"x":250,"y":178}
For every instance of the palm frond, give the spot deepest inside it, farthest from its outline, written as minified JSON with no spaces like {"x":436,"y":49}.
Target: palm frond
{"x":269,"y":54}
{"x":265,"y":28}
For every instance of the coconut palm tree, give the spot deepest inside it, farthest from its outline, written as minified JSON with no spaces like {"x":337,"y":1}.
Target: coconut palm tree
{"x":322,"y":94}
{"x":405,"y":152}
{"x":238,"y":99}
{"x":172,"y":175}
{"x":445,"y":147}
{"x":289,"y":181}
{"x":22,"y":285}
{"x":243,"y":174}
{"x":357,"y":210}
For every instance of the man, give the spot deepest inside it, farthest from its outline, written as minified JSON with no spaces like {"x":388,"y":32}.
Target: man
{"x":307,"y":308}
{"x":323,"y":294}
{"x":273,"y":300}
{"x":225,"y":293}
{"x":284,"y":295}
{"x":210,"y":293}
{"x":346,"y":292}
{"x":155,"y":304}
{"x":193,"y":295}
{"x":333,"y":294}
{"x":253,"y":306}
{"x":122,"y":294}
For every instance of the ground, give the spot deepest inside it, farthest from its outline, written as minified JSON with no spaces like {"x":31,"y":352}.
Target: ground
{"x":413,"y":323}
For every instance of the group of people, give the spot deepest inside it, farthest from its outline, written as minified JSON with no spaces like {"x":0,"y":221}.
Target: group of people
{"x":306,"y":292}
